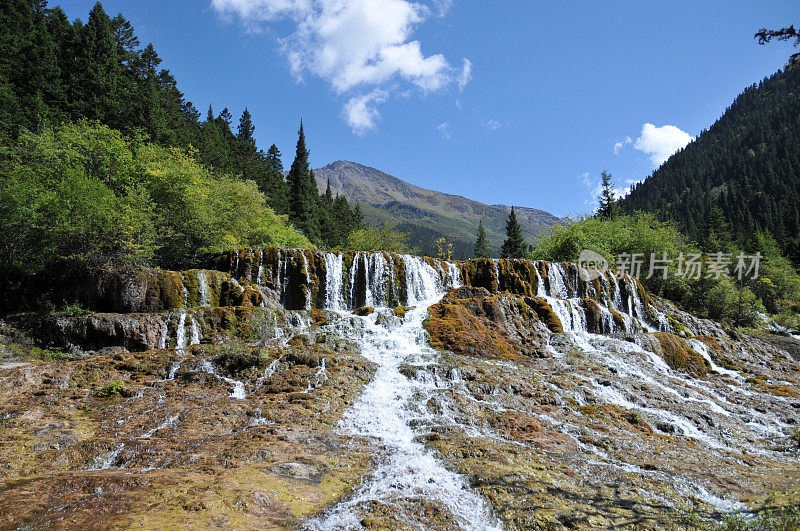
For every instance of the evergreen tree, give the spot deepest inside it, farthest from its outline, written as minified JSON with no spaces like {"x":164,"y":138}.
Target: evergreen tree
{"x":358,"y":218}
{"x":95,"y":95}
{"x":608,"y":201}
{"x":274,"y":158}
{"x":514,"y":246}
{"x":303,"y":200}
{"x":247,"y":153}
{"x":481,"y":246}
{"x":273,"y":184}
{"x":329,"y":228}
{"x":717,"y":235}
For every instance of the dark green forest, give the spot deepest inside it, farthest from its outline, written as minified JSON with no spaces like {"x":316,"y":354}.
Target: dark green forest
{"x":741,"y":176}
{"x":55,"y":72}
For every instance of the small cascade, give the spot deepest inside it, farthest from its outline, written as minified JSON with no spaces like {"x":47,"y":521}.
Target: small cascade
{"x":180,"y":334}
{"x":162,"y":336}
{"x":204,"y":299}
{"x":421,"y":280}
{"x":269,"y":371}
{"x":320,"y":377}
{"x":195,"y":332}
{"x":376,"y":283}
{"x":702,"y":349}
{"x":556,"y":275}
{"x":106,"y":461}
{"x":237,"y":392}
{"x":334,"y":296}
{"x":309,"y":291}
{"x":352,"y":280}
{"x":260,"y":273}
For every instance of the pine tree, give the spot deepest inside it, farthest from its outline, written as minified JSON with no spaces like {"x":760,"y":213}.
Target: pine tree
{"x":274,"y":158}
{"x":95,"y":95}
{"x":329,"y":228}
{"x":514,"y":246}
{"x":247,"y":153}
{"x":608,"y":201}
{"x":303,"y":199}
{"x":481,"y":246}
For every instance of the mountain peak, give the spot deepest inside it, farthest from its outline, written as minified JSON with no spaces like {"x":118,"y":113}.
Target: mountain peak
{"x":426,"y":214}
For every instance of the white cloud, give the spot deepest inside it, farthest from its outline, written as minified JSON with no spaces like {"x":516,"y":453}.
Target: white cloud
{"x":493,"y":125}
{"x":466,"y":74}
{"x":621,"y":144}
{"x":444,"y":130}
{"x":356,"y":45}
{"x":661,"y":142}
{"x":361,"y":113}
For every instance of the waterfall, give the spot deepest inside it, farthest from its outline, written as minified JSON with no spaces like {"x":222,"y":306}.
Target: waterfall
{"x":334,"y":297}
{"x":309,"y":286}
{"x":195,"y":329}
{"x":352,"y":280}
{"x":391,"y":404}
{"x":202,"y":289}
{"x":376,"y":289}
{"x":180,"y":334}
{"x":420,"y":280}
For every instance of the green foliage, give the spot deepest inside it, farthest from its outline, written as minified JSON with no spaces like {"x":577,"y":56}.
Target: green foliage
{"x":724,"y":299}
{"x":82,"y":196}
{"x":386,"y":239}
{"x":444,"y":249}
{"x":782,"y":519}
{"x":514,"y":246}
{"x":197,"y":212}
{"x":481,"y":245}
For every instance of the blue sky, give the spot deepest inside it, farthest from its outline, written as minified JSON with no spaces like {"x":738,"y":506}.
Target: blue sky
{"x":515,"y":102}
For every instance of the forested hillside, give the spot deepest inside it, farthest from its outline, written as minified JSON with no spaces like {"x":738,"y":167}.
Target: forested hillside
{"x":55,"y":72}
{"x":740,"y":176}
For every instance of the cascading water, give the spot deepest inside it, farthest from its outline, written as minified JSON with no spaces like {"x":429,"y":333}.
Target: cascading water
{"x":204,"y":299}
{"x":391,"y":403}
{"x":334,"y":298}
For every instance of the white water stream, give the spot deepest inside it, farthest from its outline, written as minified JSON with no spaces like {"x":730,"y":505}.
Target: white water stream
{"x":391,"y":404}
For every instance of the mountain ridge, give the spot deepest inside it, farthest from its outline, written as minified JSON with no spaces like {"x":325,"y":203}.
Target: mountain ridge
{"x":424,"y":213}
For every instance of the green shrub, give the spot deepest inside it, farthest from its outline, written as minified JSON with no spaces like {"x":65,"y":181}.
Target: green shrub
{"x":386,"y":239}
{"x":82,"y":196}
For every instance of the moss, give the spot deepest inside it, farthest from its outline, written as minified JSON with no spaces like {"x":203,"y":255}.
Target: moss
{"x":452,"y":327}
{"x":400,"y":311}
{"x":680,"y":356}
{"x":782,"y":390}
{"x":169,"y":289}
{"x":192,"y":286}
{"x":545,"y":314}
{"x":364,"y":310}
{"x":114,"y":388}
{"x":594,"y":317}
{"x":677,"y":327}
{"x":619,"y":322}
{"x":625,"y":419}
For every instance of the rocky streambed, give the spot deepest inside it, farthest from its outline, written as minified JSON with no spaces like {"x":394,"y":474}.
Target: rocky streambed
{"x":374,"y":390}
